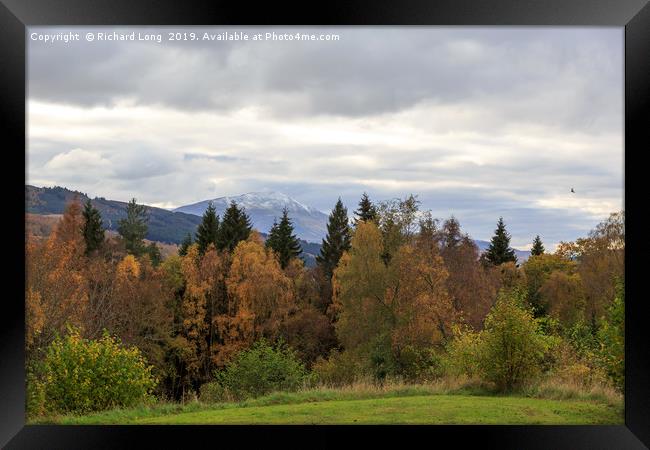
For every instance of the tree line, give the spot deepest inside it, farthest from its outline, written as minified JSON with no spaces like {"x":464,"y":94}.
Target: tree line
{"x":395,"y":293}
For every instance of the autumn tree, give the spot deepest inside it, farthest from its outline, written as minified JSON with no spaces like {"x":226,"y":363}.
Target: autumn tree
{"x":538,"y":269}
{"x":601,"y":262}
{"x":208,"y":230}
{"x":562,"y":297}
{"x":537,"y":248}
{"x":282,"y":241}
{"x":140,"y":302}
{"x":499,"y":251}
{"x":194,"y":312}
{"x":56,"y":293}
{"x":257,"y":287}
{"x":337,"y":240}
{"x":93,"y":230}
{"x":384,"y":309}
{"x":398,"y":223}
{"x":234,"y":228}
{"x":133,"y":228}
{"x":366,"y":211}
{"x":469,"y":285}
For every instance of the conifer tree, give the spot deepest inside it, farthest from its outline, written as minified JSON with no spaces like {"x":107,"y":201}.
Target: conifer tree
{"x":235,"y":227}
{"x":367,"y":211}
{"x":134,"y":228}
{"x":538,"y":247}
{"x":154,"y":254}
{"x":282,"y":240}
{"x":208,"y":230}
{"x":337,"y":240}
{"x":93,"y":230}
{"x":499,"y":250}
{"x":185,"y":245}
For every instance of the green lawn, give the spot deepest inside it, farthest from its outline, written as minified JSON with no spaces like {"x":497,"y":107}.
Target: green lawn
{"x":411,"y":409}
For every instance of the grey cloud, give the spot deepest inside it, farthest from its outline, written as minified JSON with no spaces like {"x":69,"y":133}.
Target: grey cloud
{"x":532,"y":72}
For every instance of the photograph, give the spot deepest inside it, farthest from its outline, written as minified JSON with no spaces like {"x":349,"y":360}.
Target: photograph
{"x":324,"y":225}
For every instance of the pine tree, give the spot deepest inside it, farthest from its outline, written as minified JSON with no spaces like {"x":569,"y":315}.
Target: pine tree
{"x":282,"y":240}
{"x":538,"y":247}
{"x":499,"y":250}
{"x":93,"y":230}
{"x":154,"y":254}
{"x":337,"y":240}
{"x":185,"y":245}
{"x":208,"y":230}
{"x":272,"y":238}
{"x":134,"y":228}
{"x":235,"y":227}
{"x":367,"y":211}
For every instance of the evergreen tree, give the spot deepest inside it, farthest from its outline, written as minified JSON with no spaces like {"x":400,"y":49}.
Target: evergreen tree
{"x":367,"y":211}
{"x":499,"y":250}
{"x":93,"y":230}
{"x":235,"y":227}
{"x":208,"y":230}
{"x":185,"y":245}
{"x":272,"y":239}
{"x":154,"y":254}
{"x":337,"y":240}
{"x":538,"y":247}
{"x":282,"y":240}
{"x":134,"y":228}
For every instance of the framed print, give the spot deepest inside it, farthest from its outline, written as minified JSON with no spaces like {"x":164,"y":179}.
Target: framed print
{"x":369,"y":221}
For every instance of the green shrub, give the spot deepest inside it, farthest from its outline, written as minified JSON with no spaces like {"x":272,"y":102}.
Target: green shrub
{"x":419,"y":364}
{"x":612,"y":339}
{"x":80,"y":375}
{"x":262,"y":369}
{"x":512,"y":347}
{"x":212,"y":392}
{"x":339,"y":369}
{"x":464,"y":354}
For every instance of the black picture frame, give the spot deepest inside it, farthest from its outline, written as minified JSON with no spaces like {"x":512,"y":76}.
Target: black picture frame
{"x":16,"y":15}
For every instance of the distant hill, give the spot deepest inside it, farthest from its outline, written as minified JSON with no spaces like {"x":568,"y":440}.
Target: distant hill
{"x":45,"y":205}
{"x":164,"y":226}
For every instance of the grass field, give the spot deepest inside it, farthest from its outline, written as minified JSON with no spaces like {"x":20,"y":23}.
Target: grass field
{"x":406,"y":406}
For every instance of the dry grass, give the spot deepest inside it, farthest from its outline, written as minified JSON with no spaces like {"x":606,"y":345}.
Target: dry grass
{"x":557,"y":389}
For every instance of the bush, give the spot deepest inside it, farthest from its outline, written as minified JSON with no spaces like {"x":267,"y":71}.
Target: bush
{"x":337,"y":370}
{"x":262,"y":369}
{"x":512,"y":347}
{"x":612,"y":339}
{"x":464,"y":354}
{"x":419,"y":365}
{"x":80,"y":375}
{"x":212,"y":392}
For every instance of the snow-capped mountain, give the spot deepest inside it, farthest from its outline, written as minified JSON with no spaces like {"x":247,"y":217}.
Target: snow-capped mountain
{"x":264,"y":208}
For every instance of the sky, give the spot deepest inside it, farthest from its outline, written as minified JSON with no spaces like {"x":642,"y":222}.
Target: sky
{"x":478,"y":122}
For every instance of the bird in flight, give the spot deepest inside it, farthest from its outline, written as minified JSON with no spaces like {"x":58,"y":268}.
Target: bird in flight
{"x":572,"y":191}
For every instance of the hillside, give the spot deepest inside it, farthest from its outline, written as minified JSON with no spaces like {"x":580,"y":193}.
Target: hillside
{"x":164,"y":226}
{"x":44,"y":207}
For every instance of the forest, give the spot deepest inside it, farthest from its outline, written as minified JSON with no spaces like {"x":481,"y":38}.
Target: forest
{"x":397,"y":297}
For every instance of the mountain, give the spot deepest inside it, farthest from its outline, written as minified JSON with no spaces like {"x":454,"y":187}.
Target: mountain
{"x":263,"y":208}
{"x":164,"y":226}
{"x":522,"y":255}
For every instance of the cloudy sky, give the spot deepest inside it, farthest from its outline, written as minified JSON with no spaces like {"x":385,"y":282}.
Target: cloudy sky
{"x":478,"y":122}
